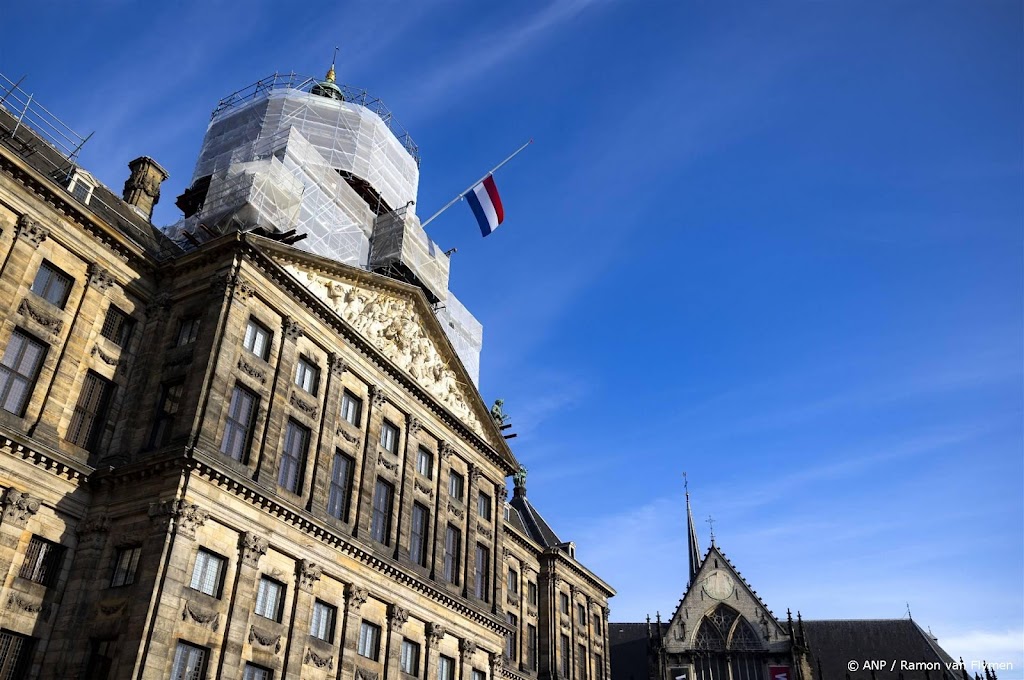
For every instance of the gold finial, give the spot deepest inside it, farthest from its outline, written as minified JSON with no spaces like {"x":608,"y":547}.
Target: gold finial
{"x":330,"y":72}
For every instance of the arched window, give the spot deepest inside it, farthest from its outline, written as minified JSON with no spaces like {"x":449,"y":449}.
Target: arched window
{"x":744,"y":636}
{"x":708,"y":637}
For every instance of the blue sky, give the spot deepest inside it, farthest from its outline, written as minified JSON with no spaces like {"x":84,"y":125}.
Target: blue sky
{"x":775,"y":245}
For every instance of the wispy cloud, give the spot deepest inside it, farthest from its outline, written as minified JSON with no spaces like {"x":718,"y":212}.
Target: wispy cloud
{"x":993,"y":645}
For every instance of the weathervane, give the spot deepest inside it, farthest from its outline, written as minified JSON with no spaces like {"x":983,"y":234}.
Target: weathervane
{"x":711,"y":524}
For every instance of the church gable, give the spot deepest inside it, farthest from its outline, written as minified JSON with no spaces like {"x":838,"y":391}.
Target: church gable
{"x":720,"y":612}
{"x":402,"y":327}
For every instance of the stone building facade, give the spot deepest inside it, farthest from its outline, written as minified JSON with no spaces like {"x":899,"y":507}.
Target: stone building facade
{"x":225,"y":463}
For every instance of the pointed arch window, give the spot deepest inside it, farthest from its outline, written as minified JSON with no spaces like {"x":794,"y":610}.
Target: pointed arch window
{"x":708,"y":637}
{"x":744,"y":636}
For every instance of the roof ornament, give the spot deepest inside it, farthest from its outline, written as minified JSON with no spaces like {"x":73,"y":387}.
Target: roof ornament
{"x":711,"y":524}
{"x":519,"y":479}
{"x":693,"y":547}
{"x":327,"y":87}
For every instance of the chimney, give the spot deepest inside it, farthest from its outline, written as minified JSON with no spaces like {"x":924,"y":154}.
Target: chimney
{"x":142,"y":190}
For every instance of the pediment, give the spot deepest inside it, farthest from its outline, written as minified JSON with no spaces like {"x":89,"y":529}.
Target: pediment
{"x":718,"y":582}
{"x":399,"y":323}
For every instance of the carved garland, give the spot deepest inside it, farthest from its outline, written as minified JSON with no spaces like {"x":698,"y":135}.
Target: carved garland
{"x":104,"y":357}
{"x":252,"y":371}
{"x":315,"y":659}
{"x":384,"y":461}
{"x":455,"y":510}
{"x":305,"y":407}
{"x":264,"y":639}
{"x":50,"y":323}
{"x":201,"y":616}
{"x":16,"y":601}
{"x":350,"y":438}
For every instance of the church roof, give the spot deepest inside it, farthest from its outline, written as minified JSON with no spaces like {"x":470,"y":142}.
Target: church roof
{"x":628,"y":648}
{"x":835,"y":644}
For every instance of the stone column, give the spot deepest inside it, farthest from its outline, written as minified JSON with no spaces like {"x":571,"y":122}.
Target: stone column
{"x":435,"y":634}
{"x":499,"y":549}
{"x":444,"y":454}
{"x":18,"y":508}
{"x":497,"y":665}
{"x":397,"y":616}
{"x":251,"y":547}
{"x":467,"y":648}
{"x":277,"y":409}
{"x":355,"y":597}
{"x":307,"y":574}
{"x":368,"y":483}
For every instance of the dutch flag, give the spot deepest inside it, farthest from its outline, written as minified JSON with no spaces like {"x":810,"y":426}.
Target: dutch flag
{"x":486,"y":205}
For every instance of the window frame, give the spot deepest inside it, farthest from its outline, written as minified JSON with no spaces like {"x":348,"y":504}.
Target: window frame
{"x":117,"y":326}
{"x":531,"y":646}
{"x":293,"y":456}
{"x":409,"y":657}
{"x":452,"y":563}
{"x":512,"y":581}
{"x":320,"y":628}
{"x":188,"y":330}
{"x":307,"y":375}
{"x":425,"y":462}
{"x":483,"y":505}
{"x":419,"y":536}
{"x":54,"y":275}
{"x":444,"y":661}
{"x":456,"y":485}
{"x":255,"y":671}
{"x":382,"y":512}
{"x":565,"y":655}
{"x":482,"y":573}
{"x":351,"y":405}
{"x":369,"y":635}
{"x":269,"y":609}
{"x":208,"y":558}
{"x":126,"y":565}
{"x":391,"y":430}
{"x":163,"y":420}
{"x":91,"y":412}
{"x":43,"y":561}
{"x":339,"y":494}
{"x":581,"y":614}
{"x":512,"y":639}
{"x":255,"y":332}
{"x":531,"y":592}
{"x":563,"y":602}
{"x":11,"y":375}
{"x":185,"y":672}
{"x":238,"y":433}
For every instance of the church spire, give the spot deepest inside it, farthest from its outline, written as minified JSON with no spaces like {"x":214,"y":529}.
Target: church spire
{"x":692,"y":545}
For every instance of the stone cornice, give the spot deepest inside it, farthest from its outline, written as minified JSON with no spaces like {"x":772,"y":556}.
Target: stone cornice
{"x":51,"y":461}
{"x":560,"y":557}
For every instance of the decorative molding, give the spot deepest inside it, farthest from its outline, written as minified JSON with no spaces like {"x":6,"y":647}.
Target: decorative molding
{"x":186,"y":517}
{"x":365,"y":674}
{"x":475,"y":473}
{"x":105,"y":358}
{"x":532,"y":611}
{"x":111,"y":607}
{"x":336,"y":364}
{"x":386,"y":463}
{"x":180,"y":356}
{"x":201,"y":616}
{"x":30,"y":230}
{"x":423,"y":488}
{"x":244,"y":291}
{"x":347,"y":436}
{"x":446,"y":450}
{"x":253,"y":548}
{"x":397,"y":616}
{"x":506,"y":552}
{"x":453,"y":509}
{"x":305,"y":407}
{"x":435,"y":633}
{"x":309,"y":574}
{"x":502,"y":492}
{"x":355,"y":597}
{"x":50,"y":323}
{"x":252,"y":371}
{"x":16,"y":601}
{"x":19,"y":507}
{"x":99,"y":277}
{"x":377,"y":395}
{"x":566,"y":627}
{"x":467,"y":648}
{"x":484,"y":531}
{"x":497,"y":664}
{"x":513,"y":598}
{"x":314,"y":659}
{"x":413,"y":425}
{"x":92,"y":531}
{"x":291,"y":329}
{"x":257,"y":636}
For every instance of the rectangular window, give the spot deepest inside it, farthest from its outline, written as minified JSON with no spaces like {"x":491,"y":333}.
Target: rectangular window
{"x":166,"y":412}
{"x":257,"y":339}
{"x":383,"y":500}
{"x":117,"y":326}
{"x":455,"y":485}
{"x":598,"y":667}
{"x":513,"y":581}
{"x":188,"y":331}
{"x":483,"y":506}
{"x":15,"y":655}
{"x":410,"y":658}
{"x":82,"y":190}
{"x":307,"y":375}
{"x":351,"y":408}
{"x":296,"y":443}
{"x":90,"y":414}
{"x":389,"y":437}
{"x":52,"y":284}
{"x":581,"y":661}
{"x":125,"y":565}
{"x":531,"y":646}
{"x":238,"y":428}
{"x":42,"y":561}
{"x":445,"y":668}
{"x":322,"y":625}
{"x":597,"y":623}
{"x":425,"y":463}
{"x":254,"y":672}
{"x":483,"y":572}
{"x":369,"y":640}
{"x":581,"y":614}
{"x":510,"y":639}
{"x":479,"y":674}
{"x":563,"y":603}
{"x":420,"y":532}
{"x":531,"y":592}
{"x":563,"y":656}
{"x":19,"y":369}
{"x":269,"y":599}
{"x":189,"y":662}
{"x":452,"y":554}
{"x":208,"y":573}
{"x":340,"y":494}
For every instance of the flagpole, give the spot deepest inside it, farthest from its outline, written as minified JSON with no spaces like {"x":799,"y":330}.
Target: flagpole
{"x":463,"y":193}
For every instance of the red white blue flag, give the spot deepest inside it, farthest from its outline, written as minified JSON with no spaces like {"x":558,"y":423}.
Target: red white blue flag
{"x":486,"y":205}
